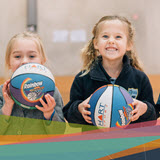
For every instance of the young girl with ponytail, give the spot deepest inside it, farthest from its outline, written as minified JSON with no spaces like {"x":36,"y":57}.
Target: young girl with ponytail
{"x":110,"y":58}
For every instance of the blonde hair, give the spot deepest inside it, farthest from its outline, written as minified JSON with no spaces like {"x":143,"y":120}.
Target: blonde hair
{"x":24,"y":35}
{"x":89,"y":54}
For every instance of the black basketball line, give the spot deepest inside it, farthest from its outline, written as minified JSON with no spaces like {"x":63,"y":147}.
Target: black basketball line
{"x":15,"y":87}
{"x":111,"y":104}
{"x":32,"y":73}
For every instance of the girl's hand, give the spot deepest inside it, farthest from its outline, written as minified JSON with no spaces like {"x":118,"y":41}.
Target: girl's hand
{"x":140,"y":109}
{"x":48,"y":108}
{"x":8,"y":106}
{"x":83,"y":109}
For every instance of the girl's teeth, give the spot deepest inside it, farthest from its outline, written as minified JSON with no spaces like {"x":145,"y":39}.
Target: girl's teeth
{"x":111,"y":49}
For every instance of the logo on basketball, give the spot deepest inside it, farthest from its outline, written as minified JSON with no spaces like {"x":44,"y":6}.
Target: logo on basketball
{"x":125,"y":116}
{"x":32,"y":91}
{"x":101,"y":114}
{"x":33,"y":67}
{"x":133,"y":92}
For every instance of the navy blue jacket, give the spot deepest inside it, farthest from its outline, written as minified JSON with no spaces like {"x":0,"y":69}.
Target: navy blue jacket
{"x":133,"y":80}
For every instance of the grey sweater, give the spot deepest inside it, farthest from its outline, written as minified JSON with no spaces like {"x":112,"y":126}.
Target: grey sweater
{"x":26,"y":121}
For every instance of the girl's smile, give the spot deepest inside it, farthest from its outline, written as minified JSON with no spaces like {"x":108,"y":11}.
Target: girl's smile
{"x":111,"y":49}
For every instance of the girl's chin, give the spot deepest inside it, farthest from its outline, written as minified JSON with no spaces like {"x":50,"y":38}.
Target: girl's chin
{"x":112,"y":58}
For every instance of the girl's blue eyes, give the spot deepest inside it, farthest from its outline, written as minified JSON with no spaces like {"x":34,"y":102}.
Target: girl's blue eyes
{"x":117,"y":37}
{"x":17,"y":57}
{"x":105,"y":36}
{"x":31,"y":56}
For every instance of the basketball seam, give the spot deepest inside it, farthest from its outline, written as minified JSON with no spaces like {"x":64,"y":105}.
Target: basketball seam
{"x":123,"y":95}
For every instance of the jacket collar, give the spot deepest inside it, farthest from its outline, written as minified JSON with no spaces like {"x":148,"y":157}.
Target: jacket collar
{"x":97,"y":73}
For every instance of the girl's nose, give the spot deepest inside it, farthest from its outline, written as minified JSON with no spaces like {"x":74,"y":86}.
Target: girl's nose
{"x":111,"y":40}
{"x":24,"y":60}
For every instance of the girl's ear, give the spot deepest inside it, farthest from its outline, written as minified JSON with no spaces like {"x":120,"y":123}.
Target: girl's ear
{"x":43,"y":61}
{"x":95,"y":43}
{"x":9,"y":66}
{"x":129,"y":46}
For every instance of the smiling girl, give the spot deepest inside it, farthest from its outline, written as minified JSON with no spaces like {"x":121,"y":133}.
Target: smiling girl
{"x":24,"y":48}
{"x":110,"y":58}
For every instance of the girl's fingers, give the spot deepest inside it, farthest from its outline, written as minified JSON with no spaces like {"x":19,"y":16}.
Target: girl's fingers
{"x":5,"y":95}
{"x":7,"y":81}
{"x":53,"y":100}
{"x":8,"y":88}
{"x":135,"y":102}
{"x":39,"y":108}
{"x":4,"y":87}
{"x":6,"y":92}
{"x":87,"y":117}
{"x":87,"y":100}
{"x":43,"y":103}
{"x":135,"y":117}
{"x":50,"y":100}
{"x":134,"y":111}
{"x":49,"y":106}
{"x":87,"y":112}
{"x":50,"y":103}
{"x":87,"y":106}
{"x":89,"y":121}
{"x":45,"y":107}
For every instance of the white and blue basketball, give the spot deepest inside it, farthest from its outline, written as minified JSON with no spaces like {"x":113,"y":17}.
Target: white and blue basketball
{"x":111,"y":106}
{"x":29,"y":83}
